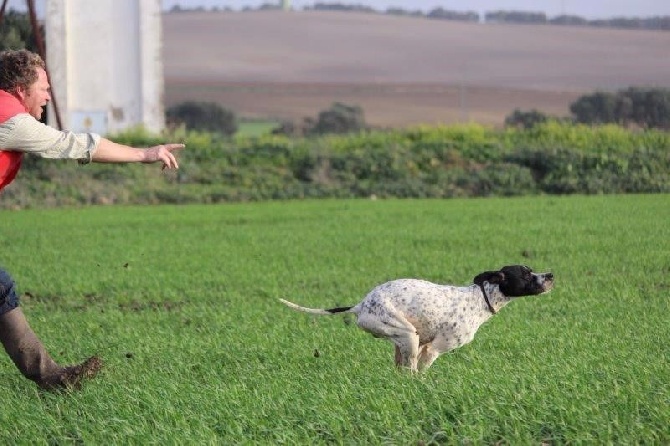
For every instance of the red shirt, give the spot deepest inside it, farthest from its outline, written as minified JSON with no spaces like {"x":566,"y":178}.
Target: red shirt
{"x":10,"y":161}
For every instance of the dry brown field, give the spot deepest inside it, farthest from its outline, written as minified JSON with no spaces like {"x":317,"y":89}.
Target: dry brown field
{"x":400,"y":70}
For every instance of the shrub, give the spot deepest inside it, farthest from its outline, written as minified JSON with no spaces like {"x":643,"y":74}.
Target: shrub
{"x":647,"y":108}
{"x":204,"y":116}
{"x":525,"y":119}
{"x":339,"y":118}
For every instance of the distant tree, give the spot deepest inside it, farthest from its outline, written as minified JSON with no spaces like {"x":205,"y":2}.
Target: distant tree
{"x":568,"y":20}
{"x":404,"y":12}
{"x":649,"y":108}
{"x":525,"y":119}
{"x":342,"y":7}
{"x":269,"y":7}
{"x":657,"y":23}
{"x":205,"y":116}
{"x":516,"y":17}
{"x":16,"y":32}
{"x":444,"y":14}
{"x":339,"y":118}
{"x":584,"y":111}
{"x":662,"y":23}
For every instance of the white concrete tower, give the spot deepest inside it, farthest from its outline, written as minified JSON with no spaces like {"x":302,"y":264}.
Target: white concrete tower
{"x":105,"y":63}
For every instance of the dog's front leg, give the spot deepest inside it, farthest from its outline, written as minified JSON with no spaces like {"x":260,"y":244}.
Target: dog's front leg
{"x":427,"y":356}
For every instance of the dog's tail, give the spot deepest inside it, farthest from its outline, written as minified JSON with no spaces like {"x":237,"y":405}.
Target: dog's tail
{"x":321,"y":311}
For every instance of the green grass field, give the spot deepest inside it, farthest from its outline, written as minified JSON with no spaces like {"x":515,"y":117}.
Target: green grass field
{"x":181,"y":303}
{"x":255,"y":128}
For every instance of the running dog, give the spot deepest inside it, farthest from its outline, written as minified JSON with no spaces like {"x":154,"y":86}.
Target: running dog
{"x":425,"y":319}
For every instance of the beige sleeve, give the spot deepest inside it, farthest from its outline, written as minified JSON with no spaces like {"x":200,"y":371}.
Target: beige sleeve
{"x":23,"y":133}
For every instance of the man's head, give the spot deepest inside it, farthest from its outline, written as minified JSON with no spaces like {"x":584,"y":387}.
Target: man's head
{"x":23,"y":74}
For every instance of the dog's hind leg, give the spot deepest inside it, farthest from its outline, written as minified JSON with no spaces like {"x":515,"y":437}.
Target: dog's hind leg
{"x":398,"y":330}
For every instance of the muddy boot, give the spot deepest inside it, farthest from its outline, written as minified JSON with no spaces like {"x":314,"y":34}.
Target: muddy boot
{"x":32,"y":359}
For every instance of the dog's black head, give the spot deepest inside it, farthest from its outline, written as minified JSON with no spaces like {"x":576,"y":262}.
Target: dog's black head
{"x":517,"y":280}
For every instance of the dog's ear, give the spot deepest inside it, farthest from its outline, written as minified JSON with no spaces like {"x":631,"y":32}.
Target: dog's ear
{"x":493,"y":277}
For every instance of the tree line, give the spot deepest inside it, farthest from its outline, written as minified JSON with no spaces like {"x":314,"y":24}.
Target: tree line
{"x":634,"y":107}
{"x":499,"y":16}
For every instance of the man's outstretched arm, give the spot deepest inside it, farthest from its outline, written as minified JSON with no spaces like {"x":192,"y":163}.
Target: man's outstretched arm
{"x":111,"y":152}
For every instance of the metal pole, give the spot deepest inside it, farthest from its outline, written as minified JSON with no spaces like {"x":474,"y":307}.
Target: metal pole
{"x":42,"y":52}
{"x":2,"y":11}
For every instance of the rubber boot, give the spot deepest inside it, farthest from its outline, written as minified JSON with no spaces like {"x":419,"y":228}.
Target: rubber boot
{"x":32,"y":359}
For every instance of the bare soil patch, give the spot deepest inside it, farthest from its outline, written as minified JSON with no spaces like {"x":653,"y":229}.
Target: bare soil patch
{"x":401,"y":70}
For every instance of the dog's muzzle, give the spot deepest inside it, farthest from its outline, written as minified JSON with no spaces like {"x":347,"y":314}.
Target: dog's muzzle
{"x":546,"y":281}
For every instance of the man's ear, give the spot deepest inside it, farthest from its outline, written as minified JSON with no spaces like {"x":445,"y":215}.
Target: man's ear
{"x":20,"y":93}
{"x":493,"y":277}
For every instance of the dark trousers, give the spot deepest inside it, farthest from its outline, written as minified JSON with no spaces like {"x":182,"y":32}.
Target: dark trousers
{"x":9,"y":299}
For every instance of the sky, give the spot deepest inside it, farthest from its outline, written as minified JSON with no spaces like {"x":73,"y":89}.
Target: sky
{"x":589,"y":9}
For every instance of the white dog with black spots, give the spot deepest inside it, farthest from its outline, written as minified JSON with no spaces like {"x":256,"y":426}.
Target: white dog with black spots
{"x":425,"y":319}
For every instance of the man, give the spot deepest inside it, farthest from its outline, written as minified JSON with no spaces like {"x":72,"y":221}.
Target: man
{"x":24,"y":90}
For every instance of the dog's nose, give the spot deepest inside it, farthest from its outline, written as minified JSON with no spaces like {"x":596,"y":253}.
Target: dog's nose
{"x":549,"y":276}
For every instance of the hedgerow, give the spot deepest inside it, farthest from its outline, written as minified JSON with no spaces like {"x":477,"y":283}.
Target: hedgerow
{"x":436,"y":162}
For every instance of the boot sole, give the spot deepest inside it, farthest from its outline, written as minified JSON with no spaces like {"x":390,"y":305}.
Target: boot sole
{"x":72,"y":377}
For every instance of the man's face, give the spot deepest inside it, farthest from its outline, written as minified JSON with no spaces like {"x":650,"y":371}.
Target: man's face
{"x":37,"y":95}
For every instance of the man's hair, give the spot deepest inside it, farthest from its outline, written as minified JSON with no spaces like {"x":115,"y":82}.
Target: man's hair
{"x":18,"y":68}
